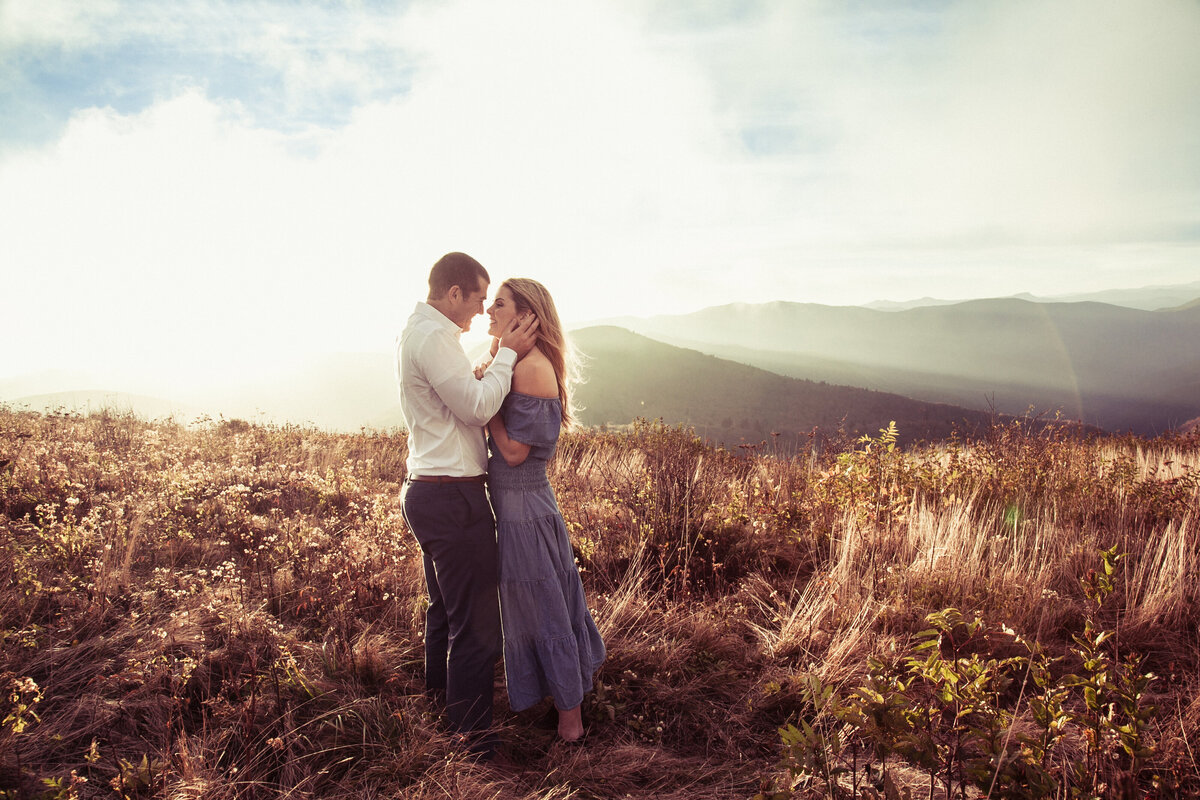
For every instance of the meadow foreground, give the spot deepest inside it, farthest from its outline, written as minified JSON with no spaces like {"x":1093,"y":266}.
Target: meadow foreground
{"x":228,"y":610}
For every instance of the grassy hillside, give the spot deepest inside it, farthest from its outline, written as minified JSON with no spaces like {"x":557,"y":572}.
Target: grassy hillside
{"x":630,"y":376}
{"x":235,"y":611}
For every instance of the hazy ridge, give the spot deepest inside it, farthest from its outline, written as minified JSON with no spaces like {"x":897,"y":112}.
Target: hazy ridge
{"x":627,"y":376}
{"x":742,"y":372}
{"x":1146,"y":298}
{"x":633,"y":376}
{"x":1114,"y":367}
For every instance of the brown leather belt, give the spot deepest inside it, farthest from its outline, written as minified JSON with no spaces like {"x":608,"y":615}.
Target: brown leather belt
{"x":448,"y":478}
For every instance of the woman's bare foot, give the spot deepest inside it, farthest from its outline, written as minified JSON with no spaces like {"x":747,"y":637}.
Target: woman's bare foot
{"x":570,"y":724}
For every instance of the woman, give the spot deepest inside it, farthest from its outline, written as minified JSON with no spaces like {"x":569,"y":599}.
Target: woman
{"x":551,"y":645}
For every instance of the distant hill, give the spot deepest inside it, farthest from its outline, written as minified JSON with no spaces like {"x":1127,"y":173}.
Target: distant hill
{"x":627,"y":376}
{"x":1113,"y":367}
{"x":47,"y":382}
{"x":345,"y":392}
{"x":631,"y":376}
{"x":87,"y":402}
{"x":904,"y":305}
{"x":1146,"y":298}
{"x":741,"y":372}
{"x":342,"y":392}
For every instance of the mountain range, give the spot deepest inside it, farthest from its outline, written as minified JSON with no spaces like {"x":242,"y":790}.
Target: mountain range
{"x":744,"y":374}
{"x":626,"y":376}
{"x":630,"y":376}
{"x":1112,"y":367}
{"x":1146,"y":298}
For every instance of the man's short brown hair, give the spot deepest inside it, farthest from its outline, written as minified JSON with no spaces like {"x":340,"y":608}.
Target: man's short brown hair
{"x":455,"y":269}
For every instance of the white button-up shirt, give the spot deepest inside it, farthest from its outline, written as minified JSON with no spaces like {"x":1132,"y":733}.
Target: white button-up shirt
{"x":445,"y":407}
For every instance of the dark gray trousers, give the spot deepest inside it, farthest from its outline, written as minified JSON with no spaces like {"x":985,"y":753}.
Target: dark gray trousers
{"x":454,"y":524}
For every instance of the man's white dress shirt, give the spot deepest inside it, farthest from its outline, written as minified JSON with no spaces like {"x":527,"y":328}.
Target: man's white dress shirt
{"x":445,"y":407}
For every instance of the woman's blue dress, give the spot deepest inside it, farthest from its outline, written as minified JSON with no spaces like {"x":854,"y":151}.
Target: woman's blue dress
{"x":551,"y":645}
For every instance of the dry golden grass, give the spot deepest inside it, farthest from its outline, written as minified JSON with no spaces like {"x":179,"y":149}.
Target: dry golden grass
{"x":234,"y":611}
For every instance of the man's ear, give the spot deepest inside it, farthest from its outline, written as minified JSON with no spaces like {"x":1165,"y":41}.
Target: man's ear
{"x":454,"y":293}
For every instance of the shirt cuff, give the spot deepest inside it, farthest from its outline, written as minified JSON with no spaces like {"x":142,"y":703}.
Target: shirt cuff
{"x":506,"y":356}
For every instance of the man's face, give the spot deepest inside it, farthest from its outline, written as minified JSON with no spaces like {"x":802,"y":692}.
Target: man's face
{"x":470,"y":305}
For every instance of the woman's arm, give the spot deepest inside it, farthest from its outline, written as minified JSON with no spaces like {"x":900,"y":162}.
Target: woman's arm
{"x":513,"y":452}
{"x":533,"y":375}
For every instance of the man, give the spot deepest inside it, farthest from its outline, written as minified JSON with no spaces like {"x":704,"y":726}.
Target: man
{"x":444,"y":500}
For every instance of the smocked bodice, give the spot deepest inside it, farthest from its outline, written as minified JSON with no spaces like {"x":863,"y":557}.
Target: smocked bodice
{"x":535,"y":421}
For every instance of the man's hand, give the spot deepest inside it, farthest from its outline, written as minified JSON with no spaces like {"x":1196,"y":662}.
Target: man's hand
{"x":521,"y":335}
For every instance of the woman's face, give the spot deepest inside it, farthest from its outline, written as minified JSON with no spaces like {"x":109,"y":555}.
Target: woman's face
{"x":501,"y":312}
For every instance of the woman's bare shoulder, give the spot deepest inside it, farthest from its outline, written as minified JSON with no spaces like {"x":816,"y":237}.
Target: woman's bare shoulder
{"x":534,"y":374}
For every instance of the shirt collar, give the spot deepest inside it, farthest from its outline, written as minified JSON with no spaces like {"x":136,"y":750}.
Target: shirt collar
{"x":431,"y":313}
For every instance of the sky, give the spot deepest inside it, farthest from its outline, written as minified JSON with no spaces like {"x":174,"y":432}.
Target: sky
{"x":199,"y":187}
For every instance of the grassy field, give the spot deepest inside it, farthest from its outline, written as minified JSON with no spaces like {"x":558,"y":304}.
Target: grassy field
{"x":227,"y":610}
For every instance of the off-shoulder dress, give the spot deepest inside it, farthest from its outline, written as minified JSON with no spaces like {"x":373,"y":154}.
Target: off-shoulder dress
{"x":551,"y":645}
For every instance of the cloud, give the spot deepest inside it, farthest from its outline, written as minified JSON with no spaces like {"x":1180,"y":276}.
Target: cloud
{"x":149,"y":237}
{"x":188,"y":229}
{"x":55,"y":23}
{"x":1023,"y":122}
{"x":290,"y":65}
{"x":282,"y":183}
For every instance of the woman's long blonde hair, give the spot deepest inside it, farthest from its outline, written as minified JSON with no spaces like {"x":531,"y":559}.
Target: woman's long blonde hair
{"x":529,"y":295}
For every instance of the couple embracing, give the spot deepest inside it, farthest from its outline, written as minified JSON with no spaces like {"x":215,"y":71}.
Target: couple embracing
{"x":503,"y":580}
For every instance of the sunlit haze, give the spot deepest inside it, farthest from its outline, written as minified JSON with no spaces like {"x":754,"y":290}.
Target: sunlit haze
{"x":212,"y":190}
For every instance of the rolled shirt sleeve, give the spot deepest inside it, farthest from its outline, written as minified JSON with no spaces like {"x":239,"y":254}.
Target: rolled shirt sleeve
{"x":473,"y":401}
